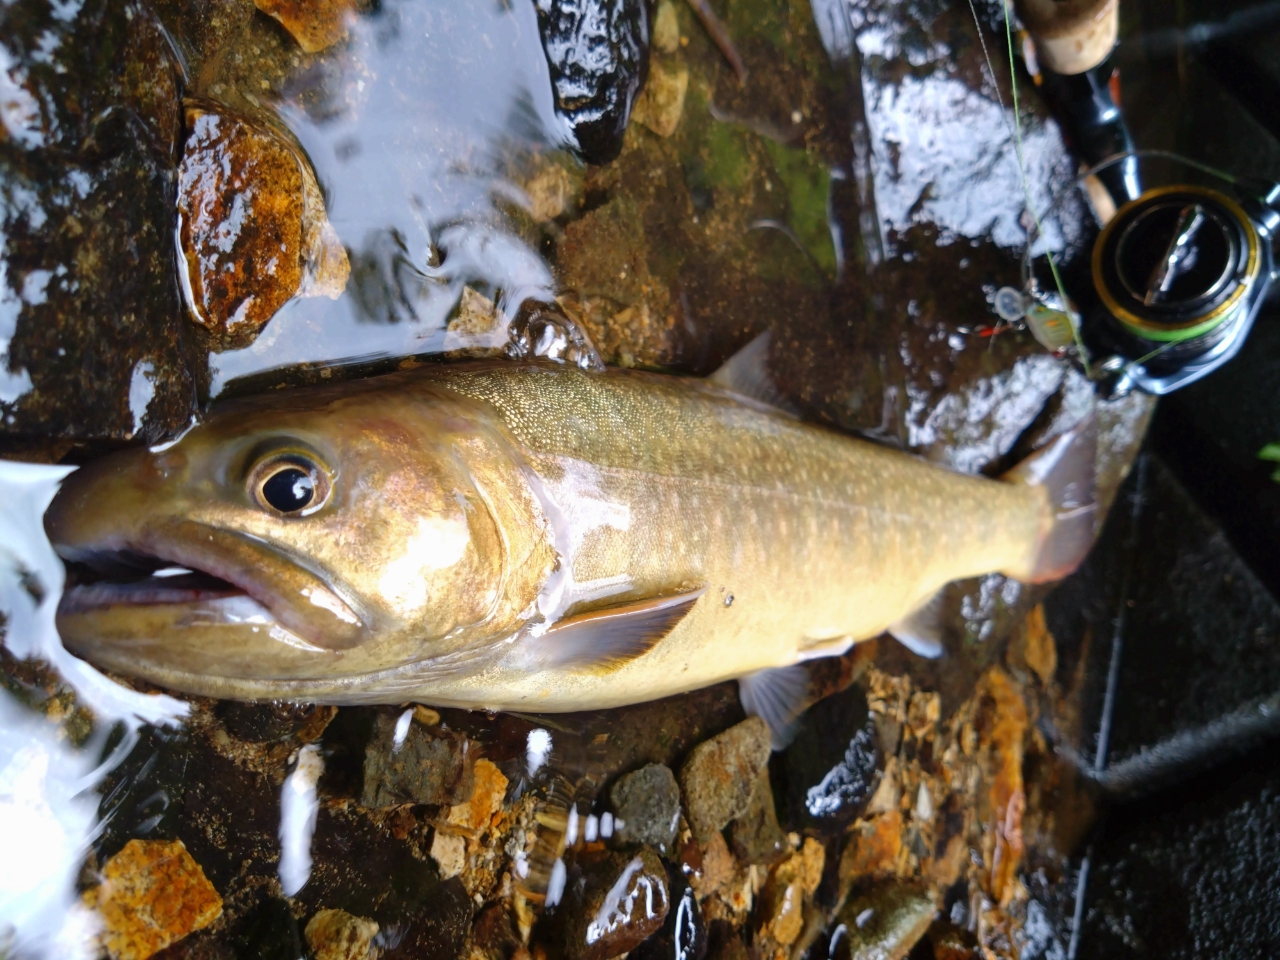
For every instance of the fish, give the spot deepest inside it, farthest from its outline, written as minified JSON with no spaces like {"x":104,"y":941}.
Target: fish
{"x":531,"y":536}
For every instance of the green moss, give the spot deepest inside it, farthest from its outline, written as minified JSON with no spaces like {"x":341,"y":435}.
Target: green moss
{"x":807,"y":181}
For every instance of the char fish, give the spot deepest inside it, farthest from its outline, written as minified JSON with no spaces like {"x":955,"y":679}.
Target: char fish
{"x":530,"y":536}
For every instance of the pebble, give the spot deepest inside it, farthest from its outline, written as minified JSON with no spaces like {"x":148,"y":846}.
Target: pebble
{"x":617,"y":902}
{"x":684,"y":933}
{"x":757,"y":837}
{"x":314,"y":24}
{"x":647,"y":801}
{"x":475,"y":814}
{"x":450,"y":853}
{"x":781,"y":906}
{"x":882,"y":924}
{"x":719,"y":775}
{"x":337,"y":935}
{"x":661,"y":105}
{"x":826,"y":776}
{"x":427,"y":766}
{"x":152,"y":894}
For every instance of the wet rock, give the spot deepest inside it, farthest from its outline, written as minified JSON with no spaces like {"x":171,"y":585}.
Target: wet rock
{"x":825,"y":778}
{"x":883,"y":924}
{"x":449,"y":851}
{"x":427,"y":766}
{"x":337,"y":935}
{"x":252,"y":225}
{"x":647,"y":801}
{"x":315,"y":24}
{"x":613,"y":906}
{"x":90,"y":342}
{"x":684,"y":933}
{"x":152,"y":894}
{"x":873,"y":849}
{"x":661,"y":103}
{"x":757,"y":837}
{"x":598,"y":51}
{"x":719,"y":775}
{"x":278,"y":720}
{"x":950,"y":942}
{"x":780,"y":909}
{"x":474,"y":815}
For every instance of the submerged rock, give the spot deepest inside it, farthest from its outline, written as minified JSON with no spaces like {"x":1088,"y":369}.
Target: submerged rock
{"x":825,"y":778}
{"x":647,"y":801}
{"x":757,"y":836}
{"x":408,"y":763}
{"x":616,"y":903}
{"x":720,"y":774}
{"x":337,"y":935}
{"x":251,"y":224}
{"x":152,"y":894}
{"x":315,"y":24}
{"x":684,"y":933}
{"x":882,"y":924}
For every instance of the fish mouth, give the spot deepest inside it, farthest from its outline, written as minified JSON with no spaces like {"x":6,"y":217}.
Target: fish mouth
{"x":113,"y":578}
{"x":186,"y":564}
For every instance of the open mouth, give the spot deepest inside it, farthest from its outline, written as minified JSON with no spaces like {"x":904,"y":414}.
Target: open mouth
{"x":125,"y":578}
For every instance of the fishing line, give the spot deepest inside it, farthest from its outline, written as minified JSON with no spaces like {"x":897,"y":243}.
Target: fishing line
{"x":1022,"y":169}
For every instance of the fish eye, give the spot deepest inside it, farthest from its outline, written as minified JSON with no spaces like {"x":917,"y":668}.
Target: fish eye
{"x":290,"y":484}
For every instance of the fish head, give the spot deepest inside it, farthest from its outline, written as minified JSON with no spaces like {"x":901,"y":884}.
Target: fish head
{"x":320,"y":536}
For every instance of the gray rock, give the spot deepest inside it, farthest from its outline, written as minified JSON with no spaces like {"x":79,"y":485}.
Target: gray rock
{"x":429,"y":766}
{"x":757,"y":836}
{"x":719,"y":775}
{"x":648,"y":803}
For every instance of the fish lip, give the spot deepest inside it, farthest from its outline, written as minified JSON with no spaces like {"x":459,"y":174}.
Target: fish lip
{"x":164,"y":544}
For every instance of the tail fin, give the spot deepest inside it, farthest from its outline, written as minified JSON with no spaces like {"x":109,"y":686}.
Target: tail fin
{"x":1066,"y":469}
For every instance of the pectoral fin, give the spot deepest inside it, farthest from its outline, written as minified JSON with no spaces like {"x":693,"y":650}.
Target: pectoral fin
{"x":601,"y":641}
{"x":778,"y":697}
{"x":921,"y":630}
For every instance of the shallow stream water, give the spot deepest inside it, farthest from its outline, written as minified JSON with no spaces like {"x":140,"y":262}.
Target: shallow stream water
{"x":855,"y":189}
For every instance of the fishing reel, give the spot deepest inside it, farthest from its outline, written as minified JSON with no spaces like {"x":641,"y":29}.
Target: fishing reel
{"x":1178,"y":276}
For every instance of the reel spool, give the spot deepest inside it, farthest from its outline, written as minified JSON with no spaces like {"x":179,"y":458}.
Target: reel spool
{"x":1179,"y":273}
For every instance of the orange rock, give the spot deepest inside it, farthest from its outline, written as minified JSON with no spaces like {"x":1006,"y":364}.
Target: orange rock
{"x":476,"y":814}
{"x":337,"y":935}
{"x":152,"y":894}
{"x":252,"y":225}
{"x":315,"y":24}
{"x":1002,"y":730}
{"x":873,"y":849}
{"x":1039,"y":648}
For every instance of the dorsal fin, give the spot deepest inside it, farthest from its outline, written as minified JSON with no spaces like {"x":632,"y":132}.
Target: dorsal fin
{"x":603,"y":640}
{"x":746,"y":373}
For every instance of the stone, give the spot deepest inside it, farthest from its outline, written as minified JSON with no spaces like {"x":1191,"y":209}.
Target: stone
{"x":873,"y":849}
{"x":882,"y":924}
{"x":757,"y":837}
{"x":666,"y":28}
{"x":613,"y":906}
{"x":780,"y":910}
{"x":475,"y":815}
{"x":337,"y":935}
{"x":661,"y":103}
{"x":684,"y":933}
{"x":253,"y":232}
{"x":450,"y":853}
{"x":719,"y":775}
{"x":647,"y":801}
{"x":826,"y":776}
{"x":314,"y":24}
{"x":427,"y":767}
{"x":152,"y":894}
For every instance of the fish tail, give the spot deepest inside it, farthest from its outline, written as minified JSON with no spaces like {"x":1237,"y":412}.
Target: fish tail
{"x":1066,"y":469}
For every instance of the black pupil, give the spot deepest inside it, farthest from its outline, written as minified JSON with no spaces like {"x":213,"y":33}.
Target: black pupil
{"x":289,"y":489}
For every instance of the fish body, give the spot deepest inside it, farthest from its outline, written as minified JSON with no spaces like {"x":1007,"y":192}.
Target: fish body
{"x":520,"y":536}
